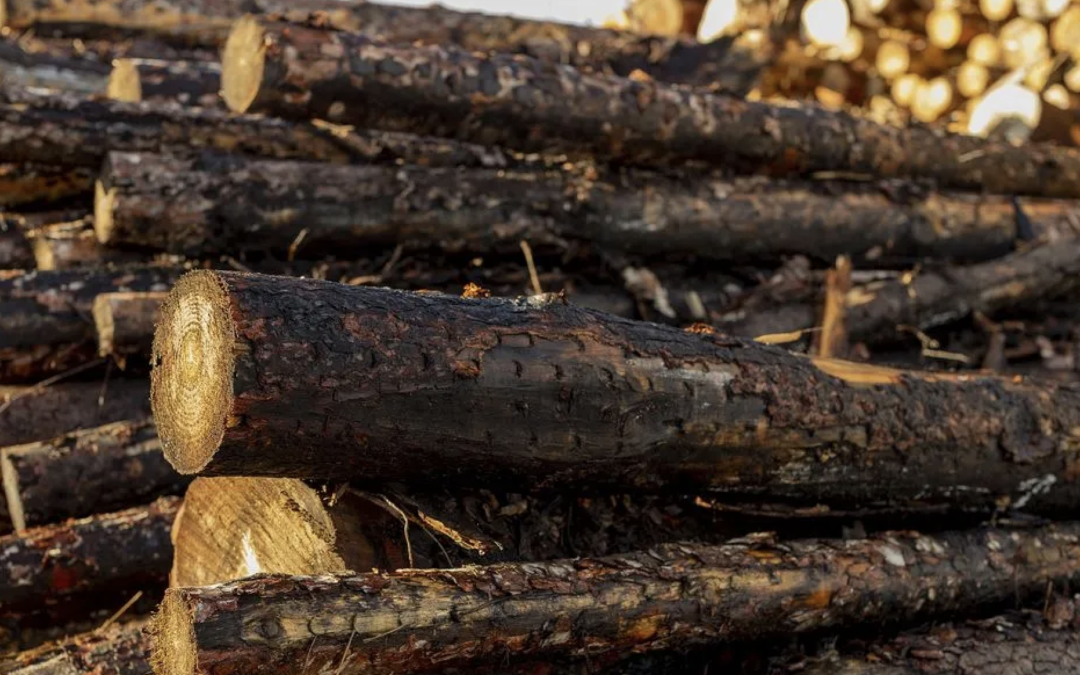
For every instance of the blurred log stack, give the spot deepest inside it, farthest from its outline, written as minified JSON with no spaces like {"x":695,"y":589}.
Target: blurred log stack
{"x":346,"y":337}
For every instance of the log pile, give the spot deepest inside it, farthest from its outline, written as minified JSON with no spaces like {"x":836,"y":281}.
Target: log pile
{"x":352,"y":338}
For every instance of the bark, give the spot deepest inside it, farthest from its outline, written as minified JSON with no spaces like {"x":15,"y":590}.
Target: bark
{"x":672,"y":596}
{"x":15,"y":251}
{"x":26,"y":185}
{"x":46,"y":322}
{"x":260,"y":375}
{"x":66,"y":131}
{"x":124,"y":550}
{"x":125,"y":322}
{"x":216,"y":204}
{"x":121,"y":649}
{"x":38,"y":413}
{"x":526,"y":105}
{"x":22,"y":69}
{"x":73,"y":245}
{"x":187,"y":82}
{"x":92,"y":471}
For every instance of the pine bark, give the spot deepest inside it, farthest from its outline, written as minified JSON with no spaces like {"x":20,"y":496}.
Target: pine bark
{"x":672,"y":596}
{"x":36,"y":413}
{"x":530,"y":106}
{"x":193,"y":83}
{"x":216,"y":204}
{"x":66,"y":131}
{"x":46,"y":321}
{"x":125,"y":322}
{"x":28,"y":185}
{"x":260,"y":375}
{"x":73,"y":245}
{"x":92,"y":471}
{"x":112,"y":552}
{"x":22,"y":69}
{"x":121,"y":649}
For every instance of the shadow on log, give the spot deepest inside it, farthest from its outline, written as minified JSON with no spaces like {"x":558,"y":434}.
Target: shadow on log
{"x":120,"y":649}
{"x":38,"y":413}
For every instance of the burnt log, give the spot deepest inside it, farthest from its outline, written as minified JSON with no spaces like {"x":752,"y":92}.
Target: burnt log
{"x":187,"y":82}
{"x":125,"y":322}
{"x":672,"y":596}
{"x":520,"y":103}
{"x":218,"y":204}
{"x":86,"y":472}
{"x":274,"y":376}
{"x":37,"y":413}
{"x":27,"y":185}
{"x":120,"y":649}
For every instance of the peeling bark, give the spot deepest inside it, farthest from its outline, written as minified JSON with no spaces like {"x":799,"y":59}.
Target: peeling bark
{"x":86,"y":472}
{"x":523,"y":104}
{"x":215,"y":204}
{"x":46,"y":322}
{"x":121,"y":649}
{"x":260,"y":375}
{"x":125,"y":322}
{"x":669,"y":597}
{"x":25,"y":185}
{"x":186,"y":82}
{"x":36,"y":413}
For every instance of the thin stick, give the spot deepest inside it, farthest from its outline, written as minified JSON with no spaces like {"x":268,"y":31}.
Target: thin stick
{"x":533,"y":276}
{"x":120,"y":612}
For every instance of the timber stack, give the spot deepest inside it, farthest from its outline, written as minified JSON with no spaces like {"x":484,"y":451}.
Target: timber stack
{"x":354,"y":338}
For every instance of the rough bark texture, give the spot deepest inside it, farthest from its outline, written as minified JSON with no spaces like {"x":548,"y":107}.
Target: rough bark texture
{"x":216,"y":204}
{"x":125,"y":322}
{"x":669,"y":597}
{"x":120,"y":649}
{"x":22,"y":69}
{"x":108,"y":552}
{"x":46,"y":322}
{"x":187,"y":82}
{"x":92,"y":471}
{"x":15,"y":250}
{"x":260,"y":375}
{"x":26,"y":185}
{"x":71,"y":132}
{"x":73,"y":245}
{"x":531,"y":106}
{"x":38,"y":413}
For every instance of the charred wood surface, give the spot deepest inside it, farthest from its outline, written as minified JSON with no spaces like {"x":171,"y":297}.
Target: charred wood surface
{"x":125,"y":322}
{"x":38,"y":413}
{"x":86,"y":472}
{"x":670,"y":596}
{"x":120,"y":649}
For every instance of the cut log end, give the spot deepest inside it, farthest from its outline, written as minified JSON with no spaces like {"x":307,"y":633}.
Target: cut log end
{"x":124,"y":82}
{"x":191,"y":383}
{"x":104,"y":199}
{"x":242,"y":63}
{"x":11,"y":491}
{"x":173,"y":637}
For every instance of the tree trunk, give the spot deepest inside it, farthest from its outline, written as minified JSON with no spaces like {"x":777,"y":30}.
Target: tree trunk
{"x":670,"y":597}
{"x":260,"y":375}
{"x":46,"y":324}
{"x":82,"y":473}
{"x":38,"y":413}
{"x":292,"y":71}
{"x":216,"y":204}
{"x":125,"y":322}
{"x":21,"y":69}
{"x":108,"y":552}
{"x":70,"y":132}
{"x":188,"y":82}
{"x":25,"y":185}
{"x":73,"y":245}
{"x":120,"y":649}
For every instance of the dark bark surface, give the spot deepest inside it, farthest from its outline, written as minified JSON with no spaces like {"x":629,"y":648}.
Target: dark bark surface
{"x":71,"y":132}
{"x":120,"y":649}
{"x":46,"y":321}
{"x":260,"y":375}
{"x":194,"y":83}
{"x":27,"y":185}
{"x":20,"y":69}
{"x":15,"y":250}
{"x":527,"y":105}
{"x":125,"y":322}
{"x":30,"y":414}
{"x":215,"y":204}
{"x":73,"y":245}
{"x":669,"y":597}
{"x":124,"y":550}
{"x":91,"y":471}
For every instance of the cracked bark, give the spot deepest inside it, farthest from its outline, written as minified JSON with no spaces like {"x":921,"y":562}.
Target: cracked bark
{"x":121,"y":649}
{"x":193,"y":83}
{"x":125,"y":322}
{"x":259,"y":375}
{"x":46,"y":323}
{"x":34,"y":413}
{"x":298,"y":72}
{"x":215,"y":204}
{"x":417,"y":620}
{"x":67,"y":131}
{"x":86,"y":472}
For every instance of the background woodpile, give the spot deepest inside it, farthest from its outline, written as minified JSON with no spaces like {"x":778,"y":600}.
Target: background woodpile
{"x":731,"y":337}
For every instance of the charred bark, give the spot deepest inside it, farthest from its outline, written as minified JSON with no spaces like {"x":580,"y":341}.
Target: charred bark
{"x":187,"y":82}
{"x":670,"y":597}
{"x":260,"y":375}
{"x":26,"y":185}
{"x":73,"y":245}
{"x":530,"y":106}
{"x":215,"y":204}
{"x":121,"y":649}
{"x":46,"y":322}
{"x":82,"y":473}
{"x":109,"y":552}
{"x":70,"y":132}
{"x":22,"y":69}
{"x":37,"y":413}
{"x":125,"y":322}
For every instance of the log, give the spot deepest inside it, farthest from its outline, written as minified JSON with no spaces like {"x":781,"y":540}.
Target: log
{"x":37,"y":413}
{"x":187,"y":82}
{"x":273,"y":376}
{"x":46,"y":324}
{"x":125,"y":322}
{"x":107,"y":468}
{"x":108,"y":552}
{"x":120,"y":649}
{"x":15,"y":251}
{"x":297,"y":72}
{"x":73,"y":245}
{"x":66,"y":131}
{"x":27,"y":185}
{"x":673,"y":596}
{"x":222,"y":204}
{"x":22,"y":69}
